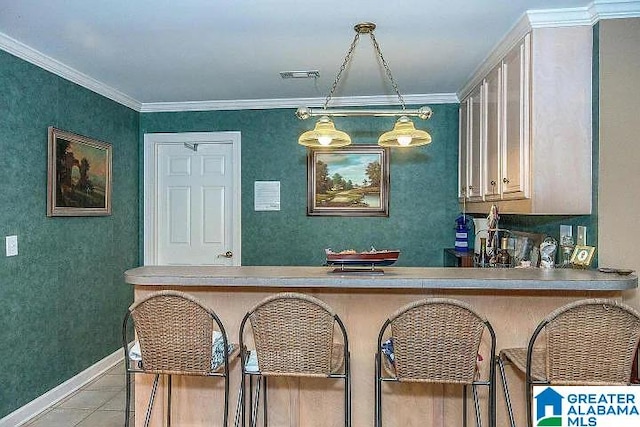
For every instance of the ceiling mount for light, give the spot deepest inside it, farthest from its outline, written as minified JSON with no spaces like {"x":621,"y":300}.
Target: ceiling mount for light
{"x":325,"y":135}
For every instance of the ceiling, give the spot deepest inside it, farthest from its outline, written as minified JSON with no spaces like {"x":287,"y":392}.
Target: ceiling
{"x":177,"y":51}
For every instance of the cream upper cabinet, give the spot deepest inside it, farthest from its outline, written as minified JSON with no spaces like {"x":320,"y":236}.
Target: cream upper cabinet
{"x":493,"y":170}
{"x":514,"y":154}
{"x":507,"y":120}
{"x":463,"y":148}
{"x":475,"y":155}
{"x":535,"y":126}
{"x":470,"y":146}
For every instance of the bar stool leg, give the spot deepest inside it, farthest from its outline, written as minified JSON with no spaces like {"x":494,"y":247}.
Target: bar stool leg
{"x":169,"y":402}
{"x":476,"y":404}
{"x":529,"y":394}
{"x":347,"y":386}
{"x":264,"y":403}
{"x":378,"y":392}
{"x":154,"y":388}
{"x":255,"y":403}
{"x":127,"y":410}
{"x":505,"y":387}
{"x":226,"y":397}
{"x":464,"y":405}
{"x":238,"y":414}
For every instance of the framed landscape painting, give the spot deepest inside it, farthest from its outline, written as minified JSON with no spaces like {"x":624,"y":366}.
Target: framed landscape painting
{"x":79,"y":175}
{"x":351,"y":181}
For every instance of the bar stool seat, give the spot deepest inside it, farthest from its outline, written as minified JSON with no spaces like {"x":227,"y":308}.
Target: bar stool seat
{"x":436,"y":341}
{"x":518,"y":357}
{"x":587,"y":342}
{"x":176,"y":335}
{"x":293,"y":335}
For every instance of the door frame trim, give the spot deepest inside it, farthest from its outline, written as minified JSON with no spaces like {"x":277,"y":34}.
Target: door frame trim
{"x":151,"y":142}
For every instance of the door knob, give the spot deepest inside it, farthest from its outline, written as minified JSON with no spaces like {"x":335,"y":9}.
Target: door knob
{"x":227,"y":254}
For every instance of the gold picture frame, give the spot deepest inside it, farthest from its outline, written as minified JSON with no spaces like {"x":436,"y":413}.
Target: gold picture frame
{"x":582,"y":256}
{"x":79,"y":175}
{"x":351,"y":181}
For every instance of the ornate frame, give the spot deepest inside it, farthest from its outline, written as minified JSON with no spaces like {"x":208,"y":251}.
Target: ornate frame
{"x":79,"y":175}
{"x":350,"y":181}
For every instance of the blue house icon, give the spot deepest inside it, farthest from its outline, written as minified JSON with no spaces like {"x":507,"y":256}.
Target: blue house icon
{"x":548,"y":397}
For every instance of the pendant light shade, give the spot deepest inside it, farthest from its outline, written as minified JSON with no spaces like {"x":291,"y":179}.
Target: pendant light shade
{"x":404,"y":134}
{"x":324,"y":135}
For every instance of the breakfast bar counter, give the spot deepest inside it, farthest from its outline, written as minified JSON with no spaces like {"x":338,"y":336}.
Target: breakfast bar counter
{"x":513,"y":300}
{"x":393,"y":278}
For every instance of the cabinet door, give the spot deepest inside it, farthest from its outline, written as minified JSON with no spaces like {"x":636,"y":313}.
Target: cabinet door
{"x":476,"y":137}
{"x":515,"y":147}
{"x":493,"y":94}
{"x":463,"y":148}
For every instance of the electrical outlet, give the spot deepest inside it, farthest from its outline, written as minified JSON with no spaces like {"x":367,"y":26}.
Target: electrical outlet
{"x":11,"y":245}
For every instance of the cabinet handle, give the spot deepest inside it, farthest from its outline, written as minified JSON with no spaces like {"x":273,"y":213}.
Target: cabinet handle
{"x":505,"y":180}
{"x":493,"y":183}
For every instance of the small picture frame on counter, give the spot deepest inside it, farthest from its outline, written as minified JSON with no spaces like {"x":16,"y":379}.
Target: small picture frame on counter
{"x":582,"y":256}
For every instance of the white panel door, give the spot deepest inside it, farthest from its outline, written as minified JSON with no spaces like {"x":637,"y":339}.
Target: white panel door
{"x":194,"y":207}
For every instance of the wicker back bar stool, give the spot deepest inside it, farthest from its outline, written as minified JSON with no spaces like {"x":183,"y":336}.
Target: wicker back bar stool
{"x":436,"y":341}
{"x":587,"y":342}
{"x":293,"y":335}
{"x":175,"y":335}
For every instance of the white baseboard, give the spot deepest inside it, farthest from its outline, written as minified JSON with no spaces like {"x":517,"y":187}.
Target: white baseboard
{"x":55,"y":395}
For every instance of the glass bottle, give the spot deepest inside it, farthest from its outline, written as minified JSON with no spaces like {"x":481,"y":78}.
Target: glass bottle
{"x":483,"y":258}
{"x":503,"y":258}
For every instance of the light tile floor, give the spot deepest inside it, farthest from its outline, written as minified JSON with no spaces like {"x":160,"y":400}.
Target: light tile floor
{"x":101,"y":403}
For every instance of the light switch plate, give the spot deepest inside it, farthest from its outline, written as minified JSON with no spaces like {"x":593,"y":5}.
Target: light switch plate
{"x":11,"y":245}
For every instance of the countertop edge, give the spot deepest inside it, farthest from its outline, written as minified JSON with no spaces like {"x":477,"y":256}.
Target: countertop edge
{"x":394,"y":278}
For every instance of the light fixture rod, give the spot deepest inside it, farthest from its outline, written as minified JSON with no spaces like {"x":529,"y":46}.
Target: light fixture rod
{"x":304,"y":113}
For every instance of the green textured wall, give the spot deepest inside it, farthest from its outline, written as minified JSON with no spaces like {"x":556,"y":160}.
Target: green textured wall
{"x":63,"y":297}
{"x":422,"y":206}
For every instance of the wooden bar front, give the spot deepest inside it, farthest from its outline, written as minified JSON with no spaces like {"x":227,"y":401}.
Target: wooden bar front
{"x":513,"y":310}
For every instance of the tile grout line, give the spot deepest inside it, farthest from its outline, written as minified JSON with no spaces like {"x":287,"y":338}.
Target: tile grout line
{"x":90,"y":411}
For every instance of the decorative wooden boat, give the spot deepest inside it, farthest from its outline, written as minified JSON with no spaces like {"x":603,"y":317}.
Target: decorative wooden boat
{"x":370,"y":259}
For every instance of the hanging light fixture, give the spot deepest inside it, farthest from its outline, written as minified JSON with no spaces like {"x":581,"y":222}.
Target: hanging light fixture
{"x":403,"y":134}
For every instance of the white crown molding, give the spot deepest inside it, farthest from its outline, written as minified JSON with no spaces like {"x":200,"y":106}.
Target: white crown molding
{"x":36,"y":57}
{"x":515,"y":34}
{"x":613,"y":9}
{"x":599,"y":9}
{"x":262,"y":104}
{"x":546,"y":18}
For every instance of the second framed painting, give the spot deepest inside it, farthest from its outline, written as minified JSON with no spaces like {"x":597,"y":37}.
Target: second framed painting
{"x":351,"y":181}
